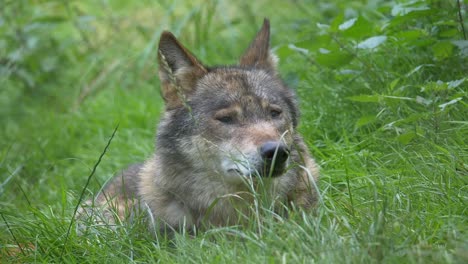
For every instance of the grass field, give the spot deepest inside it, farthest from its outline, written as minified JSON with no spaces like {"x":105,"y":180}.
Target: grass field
{"x":383,"y":93}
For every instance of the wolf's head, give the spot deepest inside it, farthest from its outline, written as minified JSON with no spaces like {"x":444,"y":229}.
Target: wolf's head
{"x":232,"y":121}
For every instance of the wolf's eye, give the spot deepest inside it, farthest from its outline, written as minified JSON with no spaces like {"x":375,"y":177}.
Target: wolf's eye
{"x":275,"y":113}
{"x":226,"y":116}
{"x":225,"y":119}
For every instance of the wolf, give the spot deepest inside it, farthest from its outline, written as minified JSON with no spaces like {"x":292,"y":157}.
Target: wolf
{"x":228,"y":135}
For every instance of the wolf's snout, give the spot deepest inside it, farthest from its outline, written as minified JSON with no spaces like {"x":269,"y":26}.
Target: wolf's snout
{"x":274,"y":155}
{"x":269,"y":149}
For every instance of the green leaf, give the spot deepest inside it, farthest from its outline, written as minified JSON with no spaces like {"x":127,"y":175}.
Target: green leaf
{"x":50,"y":19}
{"x":411,"y":119}
{"x":455,"y":83}
{"x":422,"y":100}
{"x":365,"y":98}
{"x":314,"y":44}
{"x":409,"y":35}
{"x":448,"y":33}
{"x":365,"y":120}
{"x":333,"y":59}
{"x":405,"y":9}
{"x":418,"y":68}
{"x":372,"y":42}
{"x":283,"y":52}
{"x":442,"y":49}
{"x":336,"y":23}
{"x":406,"y":137}
{"x":347,"y":24}
{"x":394,"y":83}
{"x":416,"y":14}
{"x":434,"y":87}
{"x":451,"y":102}
{"x":356,"y":28}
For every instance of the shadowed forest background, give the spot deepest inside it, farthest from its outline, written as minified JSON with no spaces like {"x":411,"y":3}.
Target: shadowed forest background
{"x":382,"y":88}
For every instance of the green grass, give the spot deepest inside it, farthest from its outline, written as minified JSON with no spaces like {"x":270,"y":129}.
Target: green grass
{"x":387,"y":126}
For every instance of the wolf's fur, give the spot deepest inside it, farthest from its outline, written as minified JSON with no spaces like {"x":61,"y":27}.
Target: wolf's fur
{"x":228,"y":134}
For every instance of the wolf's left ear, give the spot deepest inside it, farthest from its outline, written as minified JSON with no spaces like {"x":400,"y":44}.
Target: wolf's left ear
{"x":258,"y":54}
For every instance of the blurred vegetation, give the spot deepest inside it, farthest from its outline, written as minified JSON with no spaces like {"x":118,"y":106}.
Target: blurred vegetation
{"x":382,"y":85}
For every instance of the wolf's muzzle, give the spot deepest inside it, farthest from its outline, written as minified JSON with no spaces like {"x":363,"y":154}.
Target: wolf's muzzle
{"x":274,"y":155}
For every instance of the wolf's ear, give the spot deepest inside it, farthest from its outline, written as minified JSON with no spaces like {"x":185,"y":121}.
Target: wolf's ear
{"x":258,"y":54}
{"x":179,"y":70}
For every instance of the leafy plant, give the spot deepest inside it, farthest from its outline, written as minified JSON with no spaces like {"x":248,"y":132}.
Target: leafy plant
{"x":383,"y":54}
{"x":382,"y":86}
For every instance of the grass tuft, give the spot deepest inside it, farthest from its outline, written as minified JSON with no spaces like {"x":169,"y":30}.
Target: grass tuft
{"x":382,"y":87}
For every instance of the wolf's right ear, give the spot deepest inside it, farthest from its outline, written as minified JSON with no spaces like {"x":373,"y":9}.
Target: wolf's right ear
{"x":179,"y":70}
{"x":258,"y":54}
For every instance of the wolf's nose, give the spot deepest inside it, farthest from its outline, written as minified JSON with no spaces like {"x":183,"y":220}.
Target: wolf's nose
{"x":274,"y":150}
